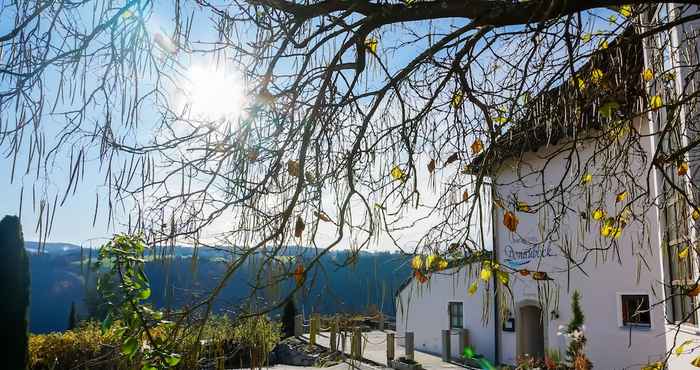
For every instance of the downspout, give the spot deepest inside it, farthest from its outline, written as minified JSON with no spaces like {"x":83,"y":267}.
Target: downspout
{"x":496,"y":309}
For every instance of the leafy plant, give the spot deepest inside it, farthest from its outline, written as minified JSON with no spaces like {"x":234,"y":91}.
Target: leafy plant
{"x":140,"y":328}
{"x":14,"y":283}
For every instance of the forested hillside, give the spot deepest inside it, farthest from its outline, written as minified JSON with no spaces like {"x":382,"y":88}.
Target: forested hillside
{"x":61,"y":275}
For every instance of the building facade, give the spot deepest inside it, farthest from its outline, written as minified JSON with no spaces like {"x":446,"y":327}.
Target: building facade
{"x":633,"y":273}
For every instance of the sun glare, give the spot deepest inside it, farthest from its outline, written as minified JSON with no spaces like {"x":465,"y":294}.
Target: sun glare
{"x":215,"y":94}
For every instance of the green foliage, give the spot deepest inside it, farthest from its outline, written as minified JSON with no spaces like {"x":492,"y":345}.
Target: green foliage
{"x":138,"y":325}
{"x":575,"y":353}
{"x":288,"y":315}
{"x":14,"y":283}
{"x":85,"y":344}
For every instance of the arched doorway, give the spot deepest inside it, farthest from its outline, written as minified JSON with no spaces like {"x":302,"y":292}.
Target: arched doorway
{"x":530,"y":331}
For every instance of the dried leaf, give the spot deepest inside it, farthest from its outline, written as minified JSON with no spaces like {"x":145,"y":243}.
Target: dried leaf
{"x":682,"y":168}
{"x":322,"y":216}
{"x":431,"y":166}
{"x":299,"y":274}
{"x":603,"y":45}
{"x":524,"y":272}
{"x":540,"y":275}
{"x":695,"y":215}
{"x":252,"y":155}
{"x":694,"y":292}
{"x":420,"y":276}
{"x":293,"y":168}
{"x":299,"y":227}
{"x":465,"y":196}
{"x":477,"y":146}
{"x":452,"y":158}
{"x":510,"y":220}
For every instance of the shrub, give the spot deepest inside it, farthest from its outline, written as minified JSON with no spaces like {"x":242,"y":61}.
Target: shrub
{"x":84,"y":347}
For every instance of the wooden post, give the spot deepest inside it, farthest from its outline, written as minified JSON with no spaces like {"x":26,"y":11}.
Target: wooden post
{"x":356,"y":343}
{"x":298,"y":325}
{"x":313,"y":329}
{"x":446,"y":350}
{"x":334,"y":333}
{"x":409,"y":345}
{"x":390,"y":347}
{"x":381,"y":321}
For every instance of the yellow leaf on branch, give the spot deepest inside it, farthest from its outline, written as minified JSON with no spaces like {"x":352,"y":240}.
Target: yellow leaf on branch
{"x":586,"y":178}
{"x":371,"y":44}
{"x":681,"y":349}
{"x":398,"y":174}
{"x":655,"y":102}
{"x":503,"y":277}
{"x":485,"y":274}
{"x":695,"y":215}
{"x":621,"y":196}
{"x":472,"y":288}
{"x":417,"y":262}
{"x":598,"y":214}
{"x":682,"y":168}
{"x":625,"y":10}
{"x":456,"y":99}
{"x":683,"y":254}
{"x":522,"y":207}
{"x":648,"y":75}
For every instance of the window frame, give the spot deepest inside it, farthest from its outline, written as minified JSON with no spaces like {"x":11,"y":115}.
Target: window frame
{"x":621,"y":311}
{"x":451,"y":315}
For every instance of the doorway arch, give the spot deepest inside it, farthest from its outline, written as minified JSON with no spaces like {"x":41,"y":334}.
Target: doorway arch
{"x":530,"y":329}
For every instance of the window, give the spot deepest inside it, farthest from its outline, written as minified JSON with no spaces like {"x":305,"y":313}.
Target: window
{"x":635,"y":310}
{"x":456,"y":315}
{"x":679,"y":269}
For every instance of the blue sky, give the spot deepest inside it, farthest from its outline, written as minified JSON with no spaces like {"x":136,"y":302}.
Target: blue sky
{"x":73,"y":221}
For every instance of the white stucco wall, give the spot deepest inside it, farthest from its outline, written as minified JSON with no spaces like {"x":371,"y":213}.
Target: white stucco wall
{"x":423,"y":309}
{"x":629,"y":265}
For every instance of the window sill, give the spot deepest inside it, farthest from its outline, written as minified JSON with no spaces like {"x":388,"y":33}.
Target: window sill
{"x":684,"y":328}
{"x":636,"y":327}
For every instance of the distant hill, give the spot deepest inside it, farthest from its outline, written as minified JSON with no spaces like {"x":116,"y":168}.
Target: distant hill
{"x":61,"y":275}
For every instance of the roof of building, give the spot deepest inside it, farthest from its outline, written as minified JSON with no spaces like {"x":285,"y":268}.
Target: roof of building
{"x":612,"y":77}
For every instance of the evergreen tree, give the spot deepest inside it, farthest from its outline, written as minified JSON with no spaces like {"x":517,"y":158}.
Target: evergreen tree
{"x":575,"y":353}
{"x":14,"y":283}
{"x":288,"y":315}
{"x":72,"y":317}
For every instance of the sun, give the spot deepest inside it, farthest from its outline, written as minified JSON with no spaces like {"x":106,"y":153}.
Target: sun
{"x":213,"y":93}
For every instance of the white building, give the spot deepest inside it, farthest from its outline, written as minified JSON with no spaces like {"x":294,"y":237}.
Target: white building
{"x":621,"y":280}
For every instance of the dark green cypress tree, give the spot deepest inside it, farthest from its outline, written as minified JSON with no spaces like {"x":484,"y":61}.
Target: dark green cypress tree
{"x":290,"y":311}
{"x":14,"y":283}
{"x":72,"y":317}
